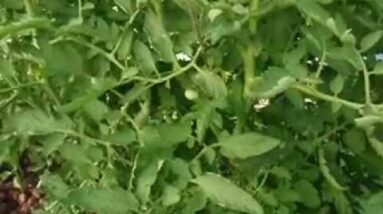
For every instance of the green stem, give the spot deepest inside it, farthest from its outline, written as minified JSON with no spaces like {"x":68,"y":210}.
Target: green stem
{"x":18,"y":87}
{"x":182,"y":70}
{"x":100,"y":51}
{"x":321,"y":63}
{"x":263,"y":181}
{"x":126,"y":28}
{"x":249,"y":72}
{"x":29,"y":8}
{"x":204,"y":150}
{"x":82,"y":136}
{"x":377,"y":73}
{"x":329,"y":98}
{"x":367,"y":89}
{"x":79,"y":2}
{"x":326,"y":171}
{"x":133,"y":171}
{"x":16,"y":27}
{"x":6,"y":102}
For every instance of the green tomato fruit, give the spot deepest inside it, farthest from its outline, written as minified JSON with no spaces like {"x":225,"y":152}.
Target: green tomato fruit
{"x":191,"y":94}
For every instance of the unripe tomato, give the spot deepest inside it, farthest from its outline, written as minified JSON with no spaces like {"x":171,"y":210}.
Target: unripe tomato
{"x":191,"y":94}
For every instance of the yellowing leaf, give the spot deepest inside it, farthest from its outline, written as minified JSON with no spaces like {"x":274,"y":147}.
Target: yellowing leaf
{"x":225,"y":193}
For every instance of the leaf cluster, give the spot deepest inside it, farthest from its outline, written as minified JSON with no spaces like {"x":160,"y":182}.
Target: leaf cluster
{"x":194,"y":106}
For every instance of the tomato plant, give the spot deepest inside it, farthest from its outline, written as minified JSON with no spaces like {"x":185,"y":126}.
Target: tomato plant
{"x":193,"y":106}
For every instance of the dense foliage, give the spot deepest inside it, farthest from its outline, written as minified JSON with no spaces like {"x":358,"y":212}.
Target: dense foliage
{"x":194,"y":106}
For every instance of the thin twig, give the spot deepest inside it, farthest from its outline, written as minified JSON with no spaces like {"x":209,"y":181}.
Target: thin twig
{"x":5,"y":90}
{"x":321,"y":64}
{"x":126,"y":28}
{"x":133,"y":171}
{"x":99,"y":50}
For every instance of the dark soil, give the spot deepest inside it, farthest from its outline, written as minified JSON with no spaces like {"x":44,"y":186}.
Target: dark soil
{"x":24,"y":198}
{"x":14,"y":200}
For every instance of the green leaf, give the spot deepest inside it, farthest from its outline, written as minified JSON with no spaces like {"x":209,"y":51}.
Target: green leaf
{"x":102,"y":29}
{"x":125,"y":46}
{"x":54,"y":185}
{"x":295,"y":98}
{"x":158,"y":35}
{"x":374,"y":204}
{"x":96,"y":89}
{"x":196,"y":203}
{"x":7,"y":70}
{"x":146,"y":178}
{"x":104,"y":200}
{"x":214,"y":13}
{"x":180,"y":171}
{"x":125,"y":136}
{"x":96,"y":110}
{"x":62,"y":59}
{"x":13,"y":4}
{"x":313,"y":10}
{"x":326,"y":172}
{"x":287,"y":195}
{"x":337,"y":84}
{"x":52,"y":142}
{"x":247,"y":145}
{"x":369,"y":40}
{"x":35,"y":122}
{"x":211,"y":84}
{"x":125,"y":5}
{"x":166,"y":135}
{"x":378,"y":69}
{"x":268,"y":198}
{"x":170,"y":196}
{"x":377,"y":145}
{"x":309,"y":194}
{"x":368,"y":120}
{"x":144,"y":57}
{"x":226,"y":194}
{"x":274,"y":85}
{"x":355,"y":140}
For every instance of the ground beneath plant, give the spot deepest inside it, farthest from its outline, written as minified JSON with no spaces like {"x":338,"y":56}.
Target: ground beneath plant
{"x":22,"y":198}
